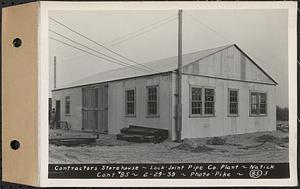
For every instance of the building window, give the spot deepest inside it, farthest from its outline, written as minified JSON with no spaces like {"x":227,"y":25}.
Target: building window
{"x":152,"y":103}
{"x":196,"y":103}
{"x":233,"y":102}
{"x":202,"y":101}
{"x":258,"y":103}
{"x":209,"y":107}
{"x":67,"y":105}
{"x":130,"y":102}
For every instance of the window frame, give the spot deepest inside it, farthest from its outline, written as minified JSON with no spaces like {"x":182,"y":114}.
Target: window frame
{"x":69,"y":102}
{"x":228,"y":104}
{"x":191,"y":101}
{"x":134,"y":102}
{"x":250,"y":103}
{"x":203,"y":101}
{"x":157,"y":101}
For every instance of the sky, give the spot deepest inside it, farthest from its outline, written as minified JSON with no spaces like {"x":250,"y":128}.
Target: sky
{"x":261,"y":34}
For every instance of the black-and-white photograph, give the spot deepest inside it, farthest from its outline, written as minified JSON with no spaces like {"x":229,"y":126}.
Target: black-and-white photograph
{"x":168,"y":86}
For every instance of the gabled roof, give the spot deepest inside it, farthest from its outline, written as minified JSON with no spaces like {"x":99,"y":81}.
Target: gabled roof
{"x":256,"y":64}
{"x":160,"y":66}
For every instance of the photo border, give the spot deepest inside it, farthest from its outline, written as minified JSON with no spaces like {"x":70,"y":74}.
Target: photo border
{"x":43,"y":89}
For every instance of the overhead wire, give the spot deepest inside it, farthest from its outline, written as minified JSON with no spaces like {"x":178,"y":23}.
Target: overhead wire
{"x":208,"y":27}
{"x":221,"y":35}
{"x":91,"y":40}
{"x":139,"y":30}
{"x":131,"y":33}
{"x":108,"y":60}
{"x":73,"y":41}
{"x":141,"y":33}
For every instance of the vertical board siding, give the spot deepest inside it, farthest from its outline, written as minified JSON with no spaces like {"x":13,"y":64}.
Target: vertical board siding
{"x":116,"y":103}
{"x":243,"y":68}
{"x":229,"y":63}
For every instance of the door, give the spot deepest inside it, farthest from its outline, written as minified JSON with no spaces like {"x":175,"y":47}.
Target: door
{"x":57,"y":113}
{"x":102,"y":107}
{"x":94,"y":111}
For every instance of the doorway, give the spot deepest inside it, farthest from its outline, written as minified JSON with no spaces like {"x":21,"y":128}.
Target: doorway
{"x":57,"y":113}
{"x":95,"y":109}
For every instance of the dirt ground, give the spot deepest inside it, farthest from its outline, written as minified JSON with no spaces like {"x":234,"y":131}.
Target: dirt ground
{"x":251,"y":147}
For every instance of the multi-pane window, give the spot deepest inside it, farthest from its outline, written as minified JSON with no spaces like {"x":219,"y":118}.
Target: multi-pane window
{"x":130,"y":102}
{"x":67,"y":105}
{"x":209,"y":104}
{"x":258,"y":103}
{"x":202,"y":101}
{"x":152,"y":102}
{"x":233,"y":102}
{"x":196,"y":103}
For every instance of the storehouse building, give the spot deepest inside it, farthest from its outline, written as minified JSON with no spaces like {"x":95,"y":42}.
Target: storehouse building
{"x":224,"y":92}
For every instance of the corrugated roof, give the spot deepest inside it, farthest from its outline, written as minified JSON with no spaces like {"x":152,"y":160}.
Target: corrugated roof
{"x":160,"y":66}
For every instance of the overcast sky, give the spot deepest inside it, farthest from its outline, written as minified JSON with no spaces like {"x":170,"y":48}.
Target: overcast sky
{"x":262,"y":34}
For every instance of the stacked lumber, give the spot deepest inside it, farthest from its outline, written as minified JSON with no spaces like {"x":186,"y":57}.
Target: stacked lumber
{"x":141,"y":134}
{"x":71,"y":138}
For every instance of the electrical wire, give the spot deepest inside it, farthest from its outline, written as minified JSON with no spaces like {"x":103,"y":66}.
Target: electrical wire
{"x":93,"y":49}
{"x":67,"y":44}
{"x":138,"y":34}
{"x":208,"y":27}
{"x":134,"y":32}
{"x":78,"y":33}
{"x":221,"y":35}
{"x":137,"y":31}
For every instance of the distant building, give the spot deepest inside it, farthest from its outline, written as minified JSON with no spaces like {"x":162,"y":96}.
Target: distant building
{"x":224,"y":92}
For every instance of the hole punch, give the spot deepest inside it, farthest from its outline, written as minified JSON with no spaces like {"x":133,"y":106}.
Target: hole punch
{"x":17,"y":42}
{"x":15,"y":144}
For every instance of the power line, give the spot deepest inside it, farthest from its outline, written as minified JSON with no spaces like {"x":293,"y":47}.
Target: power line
{"x":208,"y":27}
{"x":92,"y":53}
{"x":138,"y":34}
{"x":136,"y":31}
{"x":221,"y":35}
{"x":78,"y":33}
{"x":91,"y":48}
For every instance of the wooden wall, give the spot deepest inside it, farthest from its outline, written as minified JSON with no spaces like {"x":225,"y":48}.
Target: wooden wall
{"x":229,"y":63}
{"x":221,"y":124}
{"x":75,"y":118}
{"x":116,"y":103}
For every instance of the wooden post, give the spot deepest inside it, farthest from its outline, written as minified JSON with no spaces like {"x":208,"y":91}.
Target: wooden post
{"x":179,"y":79}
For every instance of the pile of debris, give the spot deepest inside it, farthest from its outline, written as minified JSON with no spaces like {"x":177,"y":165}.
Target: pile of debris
{"x":268,"y":142}
{"x":193,"y":146}
{"x":284,"y":127}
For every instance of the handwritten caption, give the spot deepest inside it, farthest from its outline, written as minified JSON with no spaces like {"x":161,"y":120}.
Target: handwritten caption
{"x":184,"y":170}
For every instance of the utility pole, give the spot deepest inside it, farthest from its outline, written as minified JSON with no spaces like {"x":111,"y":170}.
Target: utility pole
{"x":54,"y":74}
{"x":179,"y":79}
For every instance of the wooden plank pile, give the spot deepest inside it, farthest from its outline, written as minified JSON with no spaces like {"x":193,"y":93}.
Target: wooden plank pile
{"x":142,"y":134}
{"x":71,"y":138}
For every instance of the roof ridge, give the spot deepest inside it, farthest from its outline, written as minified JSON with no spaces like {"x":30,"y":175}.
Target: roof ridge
{"x":194,"y":52}
{"x":166,"y":60}
{"x":221,"y":48}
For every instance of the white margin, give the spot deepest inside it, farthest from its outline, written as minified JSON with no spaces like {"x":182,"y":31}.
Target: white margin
{"x":43,"y":92}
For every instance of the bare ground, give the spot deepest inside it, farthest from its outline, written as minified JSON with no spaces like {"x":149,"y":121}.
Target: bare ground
{"x":238,"y":148}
